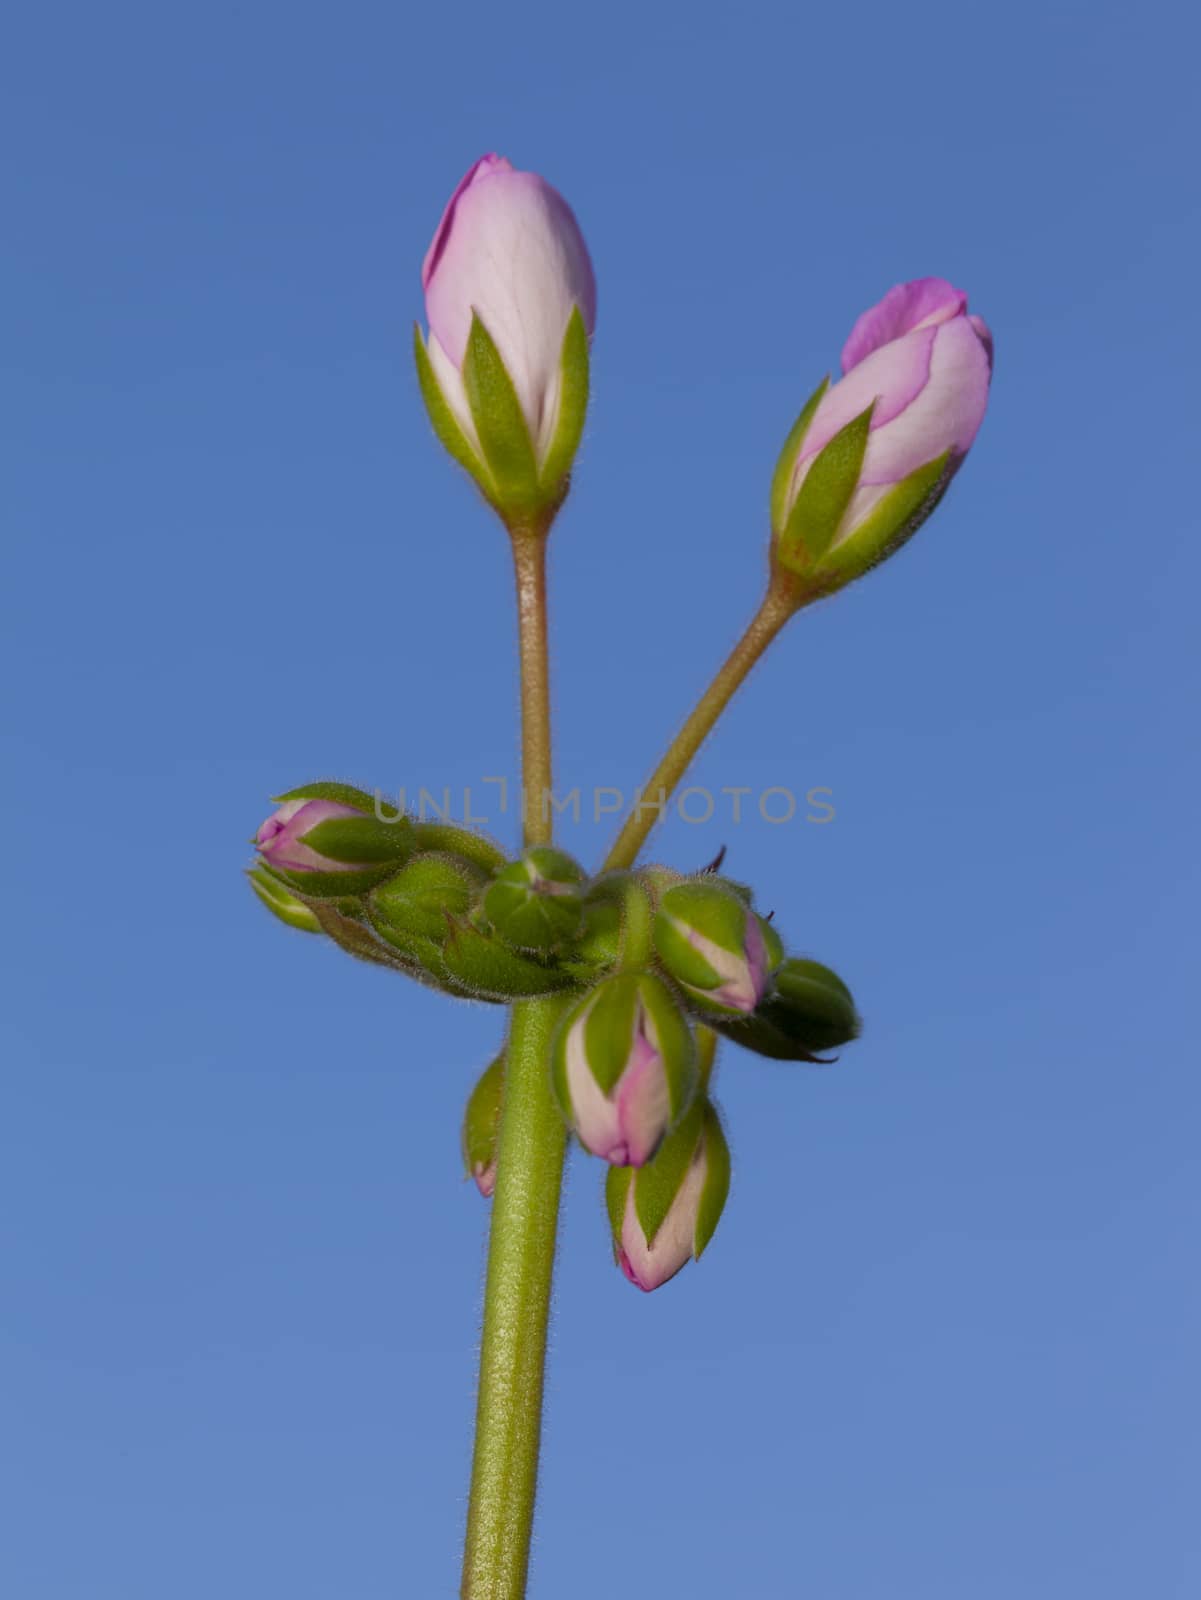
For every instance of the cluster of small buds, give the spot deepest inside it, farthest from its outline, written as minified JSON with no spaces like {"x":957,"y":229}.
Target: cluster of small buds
{"x":654,"y":965}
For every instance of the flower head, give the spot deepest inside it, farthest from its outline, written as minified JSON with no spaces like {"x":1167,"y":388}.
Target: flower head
{"x":510,"y":298}
{"x":870,"y":457}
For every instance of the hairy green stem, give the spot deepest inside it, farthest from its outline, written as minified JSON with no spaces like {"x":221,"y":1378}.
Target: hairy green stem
{"x":779,"y":603}
{"x":531,"y":1146}
{"x":529,"y":566}
{"x":521,"y":1256}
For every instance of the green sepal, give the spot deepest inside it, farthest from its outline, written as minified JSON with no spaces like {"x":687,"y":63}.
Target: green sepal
{"x":313,"y":886}
{"x":743,"y":890}
{"x":282,"y":904}
{"x":449,"y":839}
{"x":617,"y":1186}
{"x":350,"y":935}
{"x":831,"y":480}
{"x":573,"y":404}
{"x":658,"y":1182}
{"x":445,"y":424}
{"x":481,"y":1117}
{"x":681,"y":958}
{"x":492,"y":971}
{"x":706,"y":1054}
{"x":344,"y":793}
{"x":674,"y":1039}
{"x":772,"y":941}
{"x":428,"y":888}
{"x":361,"y":840}
{"x":536,"y":902}
{"x":709,"y":907}
{"x":717,"y":1182}
{"x":422,"y":959}
{"x":546,"y":862}
{"x":609,"y":1028}
{"x":598,"y":946}
{"x":500,"y":424}
{"x":781,"y":481}
{"x":891,"y":522}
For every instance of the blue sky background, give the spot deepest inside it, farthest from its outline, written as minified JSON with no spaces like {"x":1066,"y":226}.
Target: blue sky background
{"x":944,"y":1343}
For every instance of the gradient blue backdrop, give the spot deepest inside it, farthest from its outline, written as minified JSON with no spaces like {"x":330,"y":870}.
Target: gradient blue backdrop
{"x":945,"y":1342}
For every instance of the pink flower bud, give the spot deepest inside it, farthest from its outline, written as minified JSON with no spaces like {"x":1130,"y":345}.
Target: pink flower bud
{"x":624,"y":1068}
{"x":627,"y":1125}
{"x":280,"y":840}
{"x":712,"y":944}
{"x":681,"y":1234}
{"x":508,"y":249}
{"x":924,"y":365}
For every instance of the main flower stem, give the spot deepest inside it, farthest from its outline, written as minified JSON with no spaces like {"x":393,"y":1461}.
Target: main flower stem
{"x":531,"y":1146}
{"x":521,"y":1258}
{"x":779,"y":603}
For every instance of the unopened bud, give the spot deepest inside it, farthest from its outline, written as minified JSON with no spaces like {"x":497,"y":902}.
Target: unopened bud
{"x":281,"y":903}
{"x":325,"y":838}
{"x":536,"y":902}
{"x":713,"y":945}
{"x":624,"y":1067}
{"x":481,"y":1127}
{"x":663,"y":1215}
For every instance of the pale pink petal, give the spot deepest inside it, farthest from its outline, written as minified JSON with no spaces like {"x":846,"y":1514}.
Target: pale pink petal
{"x":450,"y":382}
{"x":285,"y":847}
{"x":892,"y":377}
{"x":984,"y":334}
{"x":593,"y":1113}
{"x":946,"y":415}
{"x":483,"y":168}
{"x":922,"y":303}
{"x":643,"y":1108}
{"x":513,"y":254}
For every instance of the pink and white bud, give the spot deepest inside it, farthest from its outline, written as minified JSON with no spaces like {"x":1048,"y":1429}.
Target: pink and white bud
{"x":651,"y":1245}
{"x":509,"y":250}
{"x":924,"y":365}
{"x":281,"y":839}
{"x":712,"y":944}
{"x":625,"y":1126}
{"x":624,"y":1068}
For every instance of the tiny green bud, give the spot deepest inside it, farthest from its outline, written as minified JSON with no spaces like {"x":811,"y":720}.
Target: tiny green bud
{"x":281,"y":903}
{"x":537,"y":902}
{"x":481,"y":1127}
